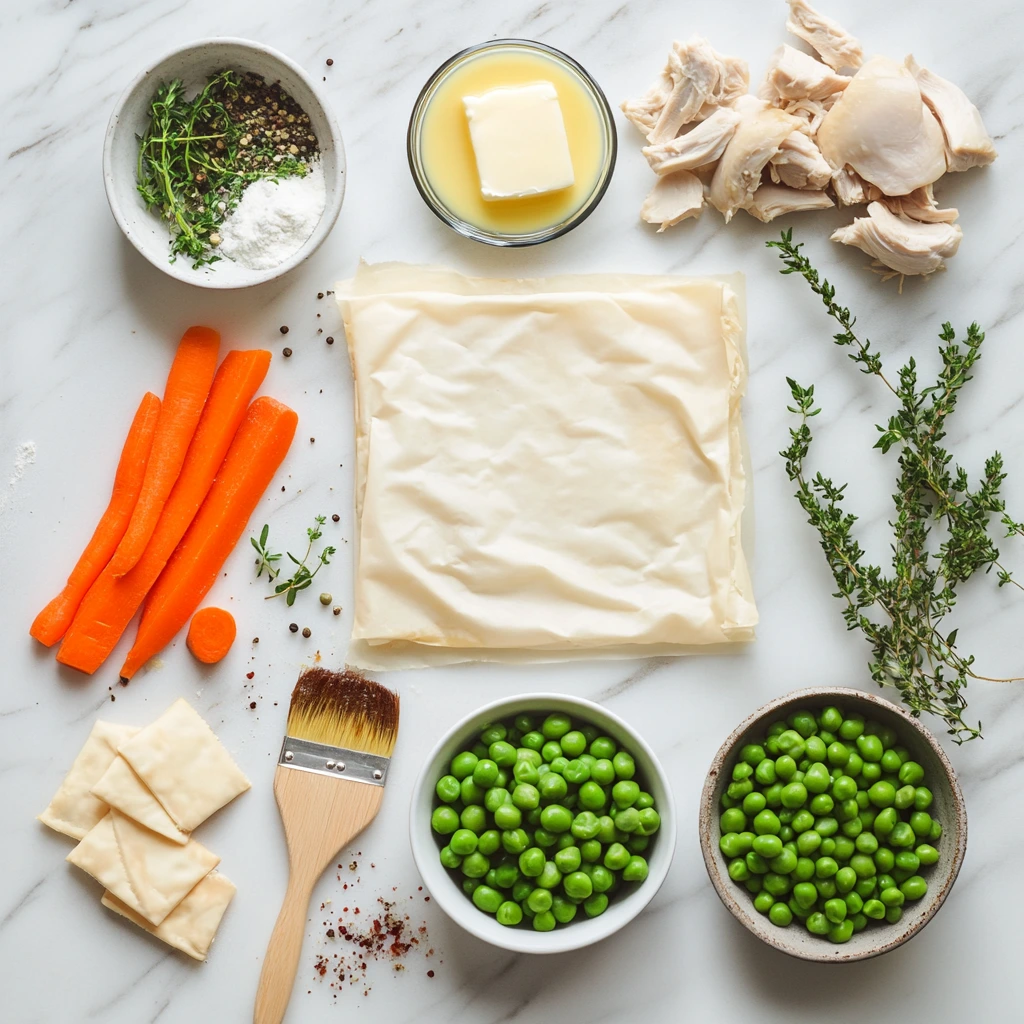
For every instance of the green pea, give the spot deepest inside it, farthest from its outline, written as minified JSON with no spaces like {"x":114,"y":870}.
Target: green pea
{"x":892,"y":896}
{"x":805,"y":895}
{"x":786,"y":815}
{"x":907,"y":860}
{"x":636,"y":870}
{"x":591,"y":796}
{"x":863,"y":865}
{"x":866,"y":843}
{"x":505,"y":876}
{"x":827,"y":848}
{"x":935,"y":832}
{"x":463,"y":764}
{"x":784,"y":862}
{"x":550,"y":876}
{"x":854,"y":767}
{"x":602,"y":772}
{"x":470,"y":885}
{"x":551,"y":750}
{"x":900,"y":875}
{"x":882,"y":794}
{"x":792,"y":743}
{"x":911,"y":773}
{"x":522,"y":889}
{"x":870,"y":773}
{"x":627,"y":820}
{"x":768,"y":846}
{"x":773,"y":795}
{"x":847,"y":811}
{"x":487,"y":899}
{"x":444,"y":820}
{"x":625,"y":793}
{"x":650,"y":822}
{"x":846,"y":879}
{"x":893,"y":914}
{"x":866,"y":888}
{"x":617,"y":857}
{"x":578,"y":885}
{"x":741,"y":770}
{"x":826,"y":888}
{"x":484,"y":773}
{"x":854,"y":903}
{"x":514,"y":841}
{"x":802,"y":821}
{"x":526,"y":797}
{"x":577,"y":772}
{"x":573,"y":744}
{"x":603,"y":747}
{"x":525,"y":772}
{"x":625,"y":767}
{"x":835,"y":910}
{"x":904,"y":798}
{"x":852,"y":726}
{"x":914,"y":887}
{"x":765,"y":773}
{"x":462,"y":842}
{"x":841,"y":932}
{"x":601,"y":878}
{"x":818,"y":924}
{"x":826,"y":827}
{"x":509,"y":914}
{"x":585,"y":825}
{"x":844,"y":788}
{"x":556,"y":818}
{"x":902,"y":835}
{"x":495,"y":797}
{"x":449,"y":858}
{"x":470,"y":792}
{"x":638,"y":844}
{"x":776,"y":884}
{"x":544,"y":922}
{"x":552,"y":788}
{"x":595,"y":905}
{"x":816,"y":749}
{"x":767,"y":823}
{"x":556,"y":725}
{"x":508,"y":817}
{"x":545,"y":839}
{"x":448,"y":789}
{"x":794,"y":795}
{"x":804,"y":870}
{"x":503,"y":754}
{"x":831,"y":718}
{"x":875,"y":909}
{"x":532,"y":861}
{"x":885,"y":822}
{"x":926,"y":854}
{"x":780,"y":915}
{"x":838,"y":754}
{"x":921,"y":823}
{"x":852,"y":828}
{"x":822,"y":804}
{"x":922,"y":798}
{"x":753,"y":803}
{"x":533,"y":740}
{"x":590,"y":851}
{"x":884,"y":859}
{"x":891,"y":761}
{"x":808,"y":842}
{"x":476,"y":865}
{"x":562,"y":909}
{"x":785,"y":768}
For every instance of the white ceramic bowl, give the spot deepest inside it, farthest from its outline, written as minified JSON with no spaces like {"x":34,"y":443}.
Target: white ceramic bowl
{"x":194,"y":64}
{"x":624,"y":906}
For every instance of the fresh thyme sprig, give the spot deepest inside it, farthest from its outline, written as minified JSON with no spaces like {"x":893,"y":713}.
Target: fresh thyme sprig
{"x":900,"y":614}
{"x":303,"y":576}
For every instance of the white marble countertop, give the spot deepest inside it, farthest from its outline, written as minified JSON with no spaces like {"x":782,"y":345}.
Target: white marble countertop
{"x":88,"y":326}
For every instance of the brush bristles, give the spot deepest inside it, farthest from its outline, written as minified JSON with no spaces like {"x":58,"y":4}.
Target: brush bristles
{"x":344,"y":709}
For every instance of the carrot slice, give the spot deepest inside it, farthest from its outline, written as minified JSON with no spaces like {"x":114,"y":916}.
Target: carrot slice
{"x":211,"y":634}
{"x":113,"y":600}
{"x":188,"y":385}
{"x":53,"y":621}
{"x":258,"y":449}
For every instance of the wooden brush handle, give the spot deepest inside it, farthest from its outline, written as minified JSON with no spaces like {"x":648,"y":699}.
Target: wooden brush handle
{"x":320,"y":815}
{"x":282,"y":959}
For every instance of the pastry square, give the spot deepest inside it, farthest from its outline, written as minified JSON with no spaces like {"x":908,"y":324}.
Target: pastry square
{"x":121,"y":789}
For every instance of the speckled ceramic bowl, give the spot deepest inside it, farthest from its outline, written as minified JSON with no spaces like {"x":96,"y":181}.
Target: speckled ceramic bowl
{"x":948,"y":808}
{"x":445,"y":890}
{"x":194,"y":64}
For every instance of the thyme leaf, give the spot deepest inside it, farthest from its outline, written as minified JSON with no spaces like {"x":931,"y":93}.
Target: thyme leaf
{"x":303,"y":575}
{"x":900,"y":614}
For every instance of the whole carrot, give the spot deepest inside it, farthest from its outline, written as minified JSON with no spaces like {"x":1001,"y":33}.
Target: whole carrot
{"x":113,"y":600}
{"x":188,"y":384}
{"x":53,"y":621}
{"x":258,"y":449}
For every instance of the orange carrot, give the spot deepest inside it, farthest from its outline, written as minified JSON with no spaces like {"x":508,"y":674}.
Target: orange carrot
{"x":211,"y":634}
{"x":258,"y":449}
{"x":110,"y":604}
{"x":52,"y":622}
{"x":188,"y":384}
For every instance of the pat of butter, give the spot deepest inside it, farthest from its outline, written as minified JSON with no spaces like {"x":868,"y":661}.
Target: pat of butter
{"x":519,"y":141}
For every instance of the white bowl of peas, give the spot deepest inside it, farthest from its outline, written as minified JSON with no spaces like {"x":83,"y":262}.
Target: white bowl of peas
{"x":832,"y":825}
{"x":542,"y":823}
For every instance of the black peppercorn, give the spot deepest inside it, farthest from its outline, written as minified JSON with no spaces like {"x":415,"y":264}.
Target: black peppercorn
{"x":284,"y":330}
{"x":294,"y":627}
{"x":307,"y":632}
{"x":287,"y":352}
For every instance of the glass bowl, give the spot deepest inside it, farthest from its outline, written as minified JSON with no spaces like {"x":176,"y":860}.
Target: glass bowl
{"x":492,"y":237}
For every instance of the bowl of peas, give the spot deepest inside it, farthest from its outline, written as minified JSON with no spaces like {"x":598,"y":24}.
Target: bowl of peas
{"x":542,"y":823}
{"x":832,"y":825}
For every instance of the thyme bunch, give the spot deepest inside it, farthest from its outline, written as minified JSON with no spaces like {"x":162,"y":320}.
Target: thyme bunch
{"x":303,"y":575}
{"x":901,"y":614}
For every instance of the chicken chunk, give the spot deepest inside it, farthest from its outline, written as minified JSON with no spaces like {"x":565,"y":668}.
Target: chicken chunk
{"x":793,"y":75}
{"x":799,"y":163}
{"x":903,"y":245}
{"x":673,"y":198}
{"x":920,"y":205}
{"x":757,"y":138}
{"x":811,"y":112}
{"x":837,"y":48}
{"x":851,"y":189}
{"x":695,"y":83}
{"x":702,"y":145}
{"x":967,"y":142}
{"x":881,"y":127}
{"x":771,"y":201}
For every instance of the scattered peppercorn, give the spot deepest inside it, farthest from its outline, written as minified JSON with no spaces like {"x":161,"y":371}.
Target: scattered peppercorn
{"x":325,"y":598}
{"x":293,"y":627}
{"x":319,"y":295}
{"x":337,"y":609}
{"x":330,"y":61}
{"x":252,"y":705}
{"x":287,"y":353}
{"x":330,"y":341}
{"x":284,"y":330}
{"x":336,"y":518}
{"x":306,"y":632}
{"x":255,"y":639}
{"x":312,"y":440}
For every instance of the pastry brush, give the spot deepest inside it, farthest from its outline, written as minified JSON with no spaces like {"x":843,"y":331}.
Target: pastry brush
{"x":329,"y":784}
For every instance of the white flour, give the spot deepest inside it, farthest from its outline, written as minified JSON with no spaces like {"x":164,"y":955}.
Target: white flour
{"x":273,"y":219}
{"x":24,"y":456}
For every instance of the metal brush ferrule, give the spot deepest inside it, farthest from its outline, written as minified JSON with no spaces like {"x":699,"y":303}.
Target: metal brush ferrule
{"x":339,"y":763}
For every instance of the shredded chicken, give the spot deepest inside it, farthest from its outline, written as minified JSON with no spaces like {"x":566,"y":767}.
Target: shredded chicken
{"x":759,"y":134}
{"x":799,"y":163}
{"x":703,"y":144}
{"x":967,"y":142}
{"x":811,"y":112}
{"x":695,"y":83}
{"x":771,"y":201}
{"x":838,"y":49}
{"x":905,"y":246}
{"x":920,"y":205}
{"x":673,"y":198}
{"x":882,"y":129}
{"x":793,"y":75}
{"x":850,"y":188}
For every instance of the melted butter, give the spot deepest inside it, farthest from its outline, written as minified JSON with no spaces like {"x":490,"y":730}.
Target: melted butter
{"x":447,"y":151}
